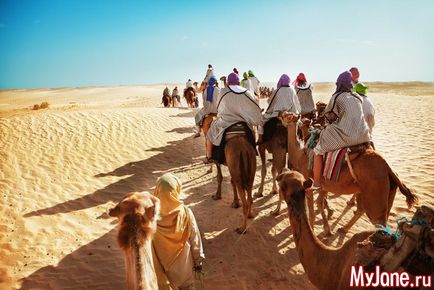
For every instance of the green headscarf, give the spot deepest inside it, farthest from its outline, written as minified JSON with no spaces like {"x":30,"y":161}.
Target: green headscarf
{"x":251,"y":74}
{"x":245,"y":76}
{"x":360,"y":89}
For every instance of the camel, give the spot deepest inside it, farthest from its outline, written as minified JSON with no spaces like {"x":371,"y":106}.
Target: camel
{"x":240,"y":158}
{"x":369,"y":176}
{"x":277,"y":147}
{"x":190,"y":97}
{"x":166,"y":100}
{"x":223,"y":79}
{"x":138,"y":213}
{"x":326,"y":267}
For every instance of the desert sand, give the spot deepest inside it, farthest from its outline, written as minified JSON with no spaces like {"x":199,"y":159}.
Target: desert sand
{"x":62,"y":168}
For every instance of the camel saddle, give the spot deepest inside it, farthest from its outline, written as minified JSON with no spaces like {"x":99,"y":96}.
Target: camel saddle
{"x":410,"y":248}
{"x":237,"y":129}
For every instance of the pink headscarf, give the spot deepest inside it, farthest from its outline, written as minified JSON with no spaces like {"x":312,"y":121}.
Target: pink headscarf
{"x":233,"y":79}
{"x":300,"y":78}
{"x":283,"y":81}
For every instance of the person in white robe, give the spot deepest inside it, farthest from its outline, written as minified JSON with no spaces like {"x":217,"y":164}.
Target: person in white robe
{"x":235,"y":104}
{"x":304,"y":94}
{"x":283,"y":99}
{"x":368,"y":107}
{"x":347,"y":124}
{"x":255,"y":84}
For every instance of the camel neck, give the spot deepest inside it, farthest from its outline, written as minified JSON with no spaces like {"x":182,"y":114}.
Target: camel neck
{"x":299,"y":160}
{"x":313,"y":255}
{"x":140,"y":269}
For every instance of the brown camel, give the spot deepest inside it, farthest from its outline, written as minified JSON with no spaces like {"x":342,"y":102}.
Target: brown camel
{"x":137,"y":213}
{"x":190,"y":97}
{"x":326,"y":267}
{"x":277,"y":147}
{"x":370,"y":177}
{"x":240,"y":158}
{"x":166,"y":100}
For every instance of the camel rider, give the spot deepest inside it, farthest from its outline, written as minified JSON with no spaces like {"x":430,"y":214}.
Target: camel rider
{"x":189,"y":84}
{"x":255,"y":84}
{"x":368,"y":107}
{"x":235,"y":104}
{"x":209,"y":74}
{"x":347,"y":124}
{"x":283,"y":99}
{"x":246,"y":83}
{"x":354,"y":76}
{"x":304,"y":94}
{"x":175,"y":95}
{"x":166,"y":92}
{"x":210,"y":99}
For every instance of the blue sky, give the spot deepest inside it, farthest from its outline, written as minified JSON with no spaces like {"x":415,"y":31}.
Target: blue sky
{"x":81,"y":43}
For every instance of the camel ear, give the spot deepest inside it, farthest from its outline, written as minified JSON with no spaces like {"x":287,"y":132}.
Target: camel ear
{"x":153,"y":212}
{"x":307,"y":183}
{"x":114,"y":212}
{"x":280,"y":176}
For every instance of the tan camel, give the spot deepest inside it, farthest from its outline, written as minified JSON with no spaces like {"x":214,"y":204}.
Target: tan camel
{"x":241,"y":160}
{"x":277,"y":147}
{"x":223,"y":79}
{"x":374,"y":181}
{"x":137,"y":213}
{"x":326,"y":267}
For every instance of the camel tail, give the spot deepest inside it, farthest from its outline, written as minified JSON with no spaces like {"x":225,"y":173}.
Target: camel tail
{"x":410,"y":197}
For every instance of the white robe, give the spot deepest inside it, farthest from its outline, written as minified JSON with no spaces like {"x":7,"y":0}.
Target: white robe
{"x":189,"y":84}
{"x":283,"y":99}
{"x":255,"y":85}
{"x":304,"y":94}
{"x":369,"y":113}
{"x":349,"y":129}
{"x":236,"y":104}
{"x":208,"y":107}
{"x":209,"y":74}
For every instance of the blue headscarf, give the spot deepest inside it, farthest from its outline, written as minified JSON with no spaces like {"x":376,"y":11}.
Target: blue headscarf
{"x":210,"y":88}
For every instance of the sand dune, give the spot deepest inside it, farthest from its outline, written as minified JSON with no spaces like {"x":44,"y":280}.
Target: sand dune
{"x":62,"y":168}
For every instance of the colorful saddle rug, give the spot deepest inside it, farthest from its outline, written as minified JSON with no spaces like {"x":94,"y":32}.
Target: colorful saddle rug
{"x":333,"y":163}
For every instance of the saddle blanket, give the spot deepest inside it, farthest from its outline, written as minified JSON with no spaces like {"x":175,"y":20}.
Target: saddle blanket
{"x":333,"y":162}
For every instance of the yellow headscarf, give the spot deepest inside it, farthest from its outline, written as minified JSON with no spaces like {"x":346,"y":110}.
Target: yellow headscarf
{"x":173,"y":230}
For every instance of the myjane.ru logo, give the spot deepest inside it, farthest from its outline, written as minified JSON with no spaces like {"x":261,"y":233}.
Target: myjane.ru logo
{"x":360,"y":278}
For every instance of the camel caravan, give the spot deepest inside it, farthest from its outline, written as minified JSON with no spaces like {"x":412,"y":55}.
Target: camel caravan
{"x":316,"y":149}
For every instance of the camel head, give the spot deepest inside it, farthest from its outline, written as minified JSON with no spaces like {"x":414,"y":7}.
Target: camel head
{"x":136,"y":211}
{"x":320,"y":107}
{"x":288,"y":117}
{"x":292,"y":188}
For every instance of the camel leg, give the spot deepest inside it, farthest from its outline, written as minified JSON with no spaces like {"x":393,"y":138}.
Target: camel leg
{"x":261,"y":149}
{"x":352,"y":201}
{"x":322,"y":196}
{"x":357,"y":214}
{"x":274,"y":174}
{"x":236,"y":201}
{"x":250,"y":203}
{"x":242,"y":228}
{"x":218,"y":194}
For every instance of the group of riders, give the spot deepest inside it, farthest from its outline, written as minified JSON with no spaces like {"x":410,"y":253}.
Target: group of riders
{"x":349,"y":113}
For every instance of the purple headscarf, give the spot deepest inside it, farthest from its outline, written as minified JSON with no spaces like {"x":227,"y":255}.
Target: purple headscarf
{"x":343,"y":83}
{"x":233,"y":79}
{"x":283,"y":81}
{"x":210,"y":89}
